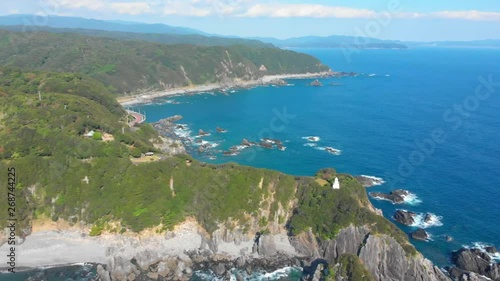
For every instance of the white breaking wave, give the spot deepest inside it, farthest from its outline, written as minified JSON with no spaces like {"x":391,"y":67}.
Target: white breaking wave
{"x":330,"y":150}
{"x":310,"y":144}
{"x":312,"y":138}
{"x":276,"y":275}
{"x":239,"y":147}
{"x":482,"y":246}
{"x":207,"y":144}
{"x":372,"y":74}
{"x":420,"y":222}
{"x":411,"y":199}
{"x":183,"y":132}
{"x":376,"y":180}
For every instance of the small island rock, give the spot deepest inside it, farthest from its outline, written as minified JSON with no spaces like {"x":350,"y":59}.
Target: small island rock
{"x":420,"y":234}
{"x":404,"y":217}
{"x":316,"y":83}
{"x":396,"y":196}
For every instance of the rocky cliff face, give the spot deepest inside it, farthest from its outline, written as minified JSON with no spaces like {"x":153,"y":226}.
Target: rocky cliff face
{"x":384,"y":258}
{"x":225,"y":249}
{"x":474,"y":264}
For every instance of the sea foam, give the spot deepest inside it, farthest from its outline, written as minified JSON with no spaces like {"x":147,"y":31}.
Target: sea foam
{"x":411,"y":199}
{"x":375,"y":180}
{"x":331,"y":150}
{"x":312,"y":138}
{"x":482,"y":246}
{"x":421,"y":223}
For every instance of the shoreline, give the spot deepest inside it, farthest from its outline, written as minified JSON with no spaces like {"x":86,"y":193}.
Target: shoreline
{"x":237,"y":83}
{"x":59,"y":245}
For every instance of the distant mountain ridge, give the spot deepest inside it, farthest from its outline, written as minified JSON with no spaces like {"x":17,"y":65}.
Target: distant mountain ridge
{"x":132,"y":66}
{"x":168,"y":38}
{"x":493,"y":43}
{"x":83,"y":23}
{"x":334,"y":41}
{"x":166,"y":34}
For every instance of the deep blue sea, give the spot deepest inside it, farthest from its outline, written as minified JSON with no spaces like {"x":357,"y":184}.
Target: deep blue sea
{"x":422,"y":119}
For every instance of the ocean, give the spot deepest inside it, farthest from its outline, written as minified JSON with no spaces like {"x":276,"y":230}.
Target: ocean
{"x":424,"y":119}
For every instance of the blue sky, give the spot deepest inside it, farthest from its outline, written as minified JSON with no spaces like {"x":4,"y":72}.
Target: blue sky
{"x":386,"y":19}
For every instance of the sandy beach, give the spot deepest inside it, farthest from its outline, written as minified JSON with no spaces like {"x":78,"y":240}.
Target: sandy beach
{"x":53,"y":246}
{"x":237,"y":83}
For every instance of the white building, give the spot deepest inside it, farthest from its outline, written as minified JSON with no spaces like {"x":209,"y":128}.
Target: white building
{"x":336,"y":184}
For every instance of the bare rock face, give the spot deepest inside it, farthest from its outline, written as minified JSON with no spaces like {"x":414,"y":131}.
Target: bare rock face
{"x":471,"y":260}
{"x":386,"y":260}
{"x":404,"y":217}
{"x":266,"y":246}
{"x":121,"y":268}
{"x":382,"y":255}
{"x":474,"y":261}
{"x":306,"y":244}
{"x":103,"y":273}
{"x":420,"y":234}
{"x":348,"y":241}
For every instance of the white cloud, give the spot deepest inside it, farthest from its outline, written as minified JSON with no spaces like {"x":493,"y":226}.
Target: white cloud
{"x":468,"y":15}
{"x":258,"y":9}
{"x":131,"y":8}
{"x":93,"y":5}
{"x":305,"y":10}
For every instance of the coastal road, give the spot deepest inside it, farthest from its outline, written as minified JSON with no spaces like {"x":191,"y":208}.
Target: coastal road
{"x":138,"y":118}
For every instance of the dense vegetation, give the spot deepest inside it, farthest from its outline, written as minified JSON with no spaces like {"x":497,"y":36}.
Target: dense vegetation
{"x":351,"y":267}
{"x":127,"y":66}
{"x":191,"y":39}
{"x":327,"y":211}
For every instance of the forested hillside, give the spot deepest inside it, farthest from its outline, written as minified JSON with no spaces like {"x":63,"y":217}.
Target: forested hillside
{"x":128,"y":66}
{"x":164,"y":38}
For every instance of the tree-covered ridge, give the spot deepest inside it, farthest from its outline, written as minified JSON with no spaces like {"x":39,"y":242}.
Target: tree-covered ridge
{"x":164,"y":38}
{"x":327,"y":211}
{"x":53,"y":122}
{"x":128,"y":66}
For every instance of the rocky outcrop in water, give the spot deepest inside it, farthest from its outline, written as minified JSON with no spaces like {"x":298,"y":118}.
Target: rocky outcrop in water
{"x":473,"y":263}
{"x":220,"y":130}
{"x":396,"y":196}
{"x":404,"y":217}
{"x":316,"y":83}
{"x":420,"y":234}
{"x":367,"y":181}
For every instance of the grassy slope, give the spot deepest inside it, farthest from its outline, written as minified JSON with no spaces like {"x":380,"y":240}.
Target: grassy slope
{"x":128,"y":66}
